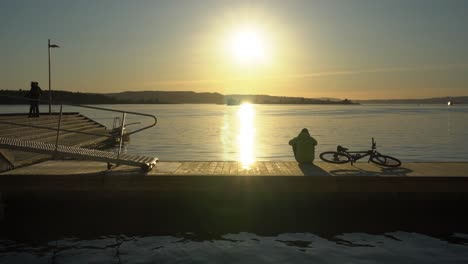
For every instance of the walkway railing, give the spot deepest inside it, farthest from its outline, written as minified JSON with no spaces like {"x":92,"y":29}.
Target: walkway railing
{"x":122,"y":127}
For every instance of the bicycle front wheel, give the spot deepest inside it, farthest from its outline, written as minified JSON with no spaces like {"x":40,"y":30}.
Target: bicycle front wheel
{"x":386,"y":161}
{"x":334,"y":157}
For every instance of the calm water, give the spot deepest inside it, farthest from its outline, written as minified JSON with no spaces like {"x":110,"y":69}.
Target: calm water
{"x":262,"y":132}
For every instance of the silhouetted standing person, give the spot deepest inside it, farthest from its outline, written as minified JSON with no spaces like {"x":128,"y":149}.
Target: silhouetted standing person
{"x":34,"y":94}
{"x":304,"y":147}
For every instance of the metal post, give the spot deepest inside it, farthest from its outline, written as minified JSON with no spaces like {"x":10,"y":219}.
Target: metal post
{"x":58,"y":129}
{"x":50,"y":92}
{"x":121,"y":134}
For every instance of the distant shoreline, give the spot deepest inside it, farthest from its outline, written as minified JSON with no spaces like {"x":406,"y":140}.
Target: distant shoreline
{"x":11,"y":97}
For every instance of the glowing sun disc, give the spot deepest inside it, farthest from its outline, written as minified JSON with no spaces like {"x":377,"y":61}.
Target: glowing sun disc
{"x":248,"y":46}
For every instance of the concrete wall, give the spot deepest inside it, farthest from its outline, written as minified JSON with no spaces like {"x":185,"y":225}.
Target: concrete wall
{"x":99,"y":205}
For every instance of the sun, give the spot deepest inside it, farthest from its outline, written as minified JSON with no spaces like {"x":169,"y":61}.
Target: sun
{"x":247,"y":46}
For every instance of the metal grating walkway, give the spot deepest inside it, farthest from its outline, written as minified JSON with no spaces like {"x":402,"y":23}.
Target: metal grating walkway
{"x":146,"y":163}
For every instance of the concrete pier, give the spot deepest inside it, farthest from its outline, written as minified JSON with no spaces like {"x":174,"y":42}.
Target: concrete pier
{"x":63,"y":198}
{"x":235,"y":168}
{"x":319,"y":177}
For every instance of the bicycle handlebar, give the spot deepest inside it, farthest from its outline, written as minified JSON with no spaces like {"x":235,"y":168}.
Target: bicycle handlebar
{"x":339,"y":148}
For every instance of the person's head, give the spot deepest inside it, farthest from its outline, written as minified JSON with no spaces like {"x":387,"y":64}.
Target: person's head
{"x":304,"y":130}
{"x":34,"y":84}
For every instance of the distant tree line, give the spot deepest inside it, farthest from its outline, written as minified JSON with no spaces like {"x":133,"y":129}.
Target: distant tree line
{"x":158,"y":97}
{"x":65,"y":97}
{"x":268,"y":99}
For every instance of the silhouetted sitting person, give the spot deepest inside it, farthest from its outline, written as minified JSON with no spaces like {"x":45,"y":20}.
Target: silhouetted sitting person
{"x":34,"y":94}
{"x":304,"y":147}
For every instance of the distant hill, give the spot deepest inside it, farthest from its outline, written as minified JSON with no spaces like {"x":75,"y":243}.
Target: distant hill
{"x":18,"y":97}
{"x":161,"y":97}
{"x":177,"y":97}
{"x":268,"y":99}
{"x":189,"y":97}
{"x":169,"y":97}
{"x":436,"y":100}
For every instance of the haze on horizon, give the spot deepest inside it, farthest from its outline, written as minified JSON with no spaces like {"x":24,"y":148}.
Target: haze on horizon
{"x":359,"y":49}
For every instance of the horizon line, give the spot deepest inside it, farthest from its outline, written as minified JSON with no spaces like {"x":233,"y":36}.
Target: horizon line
{"x":323,"y":97}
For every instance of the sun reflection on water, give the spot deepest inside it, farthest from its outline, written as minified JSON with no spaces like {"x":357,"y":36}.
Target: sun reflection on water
{"x":246,"y":137}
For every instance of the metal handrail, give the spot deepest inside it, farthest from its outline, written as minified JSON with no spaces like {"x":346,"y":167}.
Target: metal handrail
{"x":91,"y":107}
{"x":123,"y":112}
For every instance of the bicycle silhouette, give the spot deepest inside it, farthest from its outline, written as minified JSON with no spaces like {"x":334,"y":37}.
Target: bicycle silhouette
{"x":342,"y":155}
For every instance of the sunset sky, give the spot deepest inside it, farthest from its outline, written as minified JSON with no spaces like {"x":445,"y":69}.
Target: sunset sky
{"x":345,"y":49}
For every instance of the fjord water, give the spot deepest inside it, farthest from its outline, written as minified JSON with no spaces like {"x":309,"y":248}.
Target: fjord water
{"x":262,"y":132}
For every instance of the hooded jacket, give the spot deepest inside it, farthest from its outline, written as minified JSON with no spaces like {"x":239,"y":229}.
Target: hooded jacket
{"x":35,"y":92}
{"x":304,"y":147}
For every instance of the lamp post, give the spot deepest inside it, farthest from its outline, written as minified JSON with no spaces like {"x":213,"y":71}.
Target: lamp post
{"x":50,"y":92}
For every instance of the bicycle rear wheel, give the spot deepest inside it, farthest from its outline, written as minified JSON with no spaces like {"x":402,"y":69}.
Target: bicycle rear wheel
{"x":334,"y":157}
{"x":386,"y":161}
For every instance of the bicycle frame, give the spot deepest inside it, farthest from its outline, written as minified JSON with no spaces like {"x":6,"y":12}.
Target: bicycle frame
{"x":357,"y":155}
{"x":342,"y":156}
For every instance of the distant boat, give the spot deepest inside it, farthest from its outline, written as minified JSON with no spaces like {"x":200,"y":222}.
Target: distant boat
{"x":232,"y":101}
{"x":450,"y":103}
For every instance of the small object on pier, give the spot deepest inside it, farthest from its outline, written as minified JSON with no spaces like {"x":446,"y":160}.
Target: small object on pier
{"x":117,"y":130}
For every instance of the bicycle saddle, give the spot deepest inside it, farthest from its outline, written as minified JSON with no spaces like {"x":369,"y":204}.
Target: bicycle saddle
{"x":340,"y":149}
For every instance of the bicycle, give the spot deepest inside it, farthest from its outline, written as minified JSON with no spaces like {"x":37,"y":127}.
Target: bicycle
{"x":342,"y":156}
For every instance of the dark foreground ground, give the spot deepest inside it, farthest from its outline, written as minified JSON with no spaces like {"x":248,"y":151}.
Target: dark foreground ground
{"x":81,"y":199}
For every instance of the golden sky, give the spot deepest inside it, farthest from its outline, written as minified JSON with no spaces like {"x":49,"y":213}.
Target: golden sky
{"x":342,"y":49}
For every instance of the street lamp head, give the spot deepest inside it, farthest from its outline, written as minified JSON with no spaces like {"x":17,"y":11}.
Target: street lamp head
{"x":54,"y":46}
